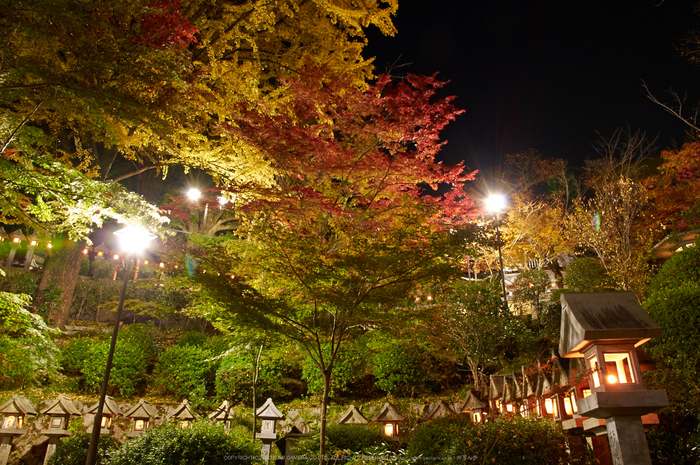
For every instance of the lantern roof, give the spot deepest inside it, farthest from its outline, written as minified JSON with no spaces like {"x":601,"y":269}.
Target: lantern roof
{"x":223,"y":412}
{"x":183,"y":411}
{"x":544,"y":384}
{"x":472,"y":402}
{"x":604,"y":318}
{"x":143,"y":409}
{"x":3,"y":234}
{"x":560,"y":371}
{"x":387,"y":414}
{"x":61,"y":406}
{"x":268,"y":411}
{"x":439,"y":409}
{"x":110,"y":407}
{"x":529,"y":387}
{"x":18,"y":234}
{"x":18,"y":405}
{"x":496,"y":384}
{"x":352,"y":416}
{"x":102,"y":248}
{"x":510,"y":389}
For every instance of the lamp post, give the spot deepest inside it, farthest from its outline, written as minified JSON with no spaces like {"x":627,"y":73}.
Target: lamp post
{"x":132,"y":240}
{"x":194,"y":194}
{"x":495,"y":203}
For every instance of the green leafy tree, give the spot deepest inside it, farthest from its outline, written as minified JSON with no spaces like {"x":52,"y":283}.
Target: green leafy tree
{"x":586,"y":274}
{"x":531,"y":291}
{"x":27,"y":351}
{"x":474,"y":325}
{"x":339,"y":240}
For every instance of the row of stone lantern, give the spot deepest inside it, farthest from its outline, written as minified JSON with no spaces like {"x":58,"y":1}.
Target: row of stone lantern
{"x":596,"y":389}
{"x":16,"y":238}
{"x":18,"y":410}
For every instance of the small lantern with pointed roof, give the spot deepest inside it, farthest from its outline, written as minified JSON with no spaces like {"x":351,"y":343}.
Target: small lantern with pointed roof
{"x":439,"y":409}
{"x":13,"y":413}
{"x":3,"y":235}
{"x":142,"y":413}
{"x":223,"y":413}
{"x":33,"y":240}
{"x":60,"y":411}
{"x":184,"y":414}
{"x":109,"y":411}
{"x":16,"y":238}
{"x":352,"y":416}
{"x":390,"y":417}
{"x":475,"y":407}
{"x":511,"y":393}
{"x":101,"y":251}
{"x":496,"y":386}
{"x":545,"y":390}
{"x":269,"y":415}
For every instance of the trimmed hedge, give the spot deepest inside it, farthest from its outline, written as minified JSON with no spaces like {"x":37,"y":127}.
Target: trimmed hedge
{"x":201,"y":444}
{"x":73,"y":450}
{"x":507,"y":441}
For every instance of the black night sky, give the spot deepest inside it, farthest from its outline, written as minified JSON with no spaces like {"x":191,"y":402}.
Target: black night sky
{"x":545,"y":74}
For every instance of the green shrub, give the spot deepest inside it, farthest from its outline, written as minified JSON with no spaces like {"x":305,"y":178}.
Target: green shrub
{"x":17,"y":368}
{"x":402,"y":369}
{"x":28,"y":354}
{"x":355,"y":438}
{"x":192,"y":338}
{"x":586,"y":274}
{"x":172,"y":445}
{"x":73,"y":450}
{"x":508,"y":441}
{"x":682,"y":267}
{"x":74,"y":353}
{"x":129,"y":368}
{"x":102,"y":269}
{"x":185,"y":371}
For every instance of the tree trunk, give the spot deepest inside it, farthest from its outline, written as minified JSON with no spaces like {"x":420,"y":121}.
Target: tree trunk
{"x":324,"y":411}
{"x":61,"y":271}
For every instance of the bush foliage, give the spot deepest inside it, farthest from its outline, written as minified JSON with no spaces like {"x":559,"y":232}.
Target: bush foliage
{"x":186,"y":371}
{"x":203,"y":443}
{"x":73,"y":450}
{"x":508,"y":441}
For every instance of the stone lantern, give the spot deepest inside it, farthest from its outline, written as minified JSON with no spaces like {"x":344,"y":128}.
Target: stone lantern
{"x":14,"y":413}
{"x":390,"y":418}
{"x":511,"y":395}
{"x":476,"y":408}
{"x":32,"y":244}
{"x":223,"y":413}
{"x":269,"y":415}
{"x":496,"y":387}
{"x":59,"y":411}
{"x":110,"y":410}
{"x":142,"y":413}
{"x":352,"y":416}
{"x":604,"y":329}
{"x":184,"y":414}
{"x":439,"y":409}
{"x":529,"y":390}
{"x":16,"y":238}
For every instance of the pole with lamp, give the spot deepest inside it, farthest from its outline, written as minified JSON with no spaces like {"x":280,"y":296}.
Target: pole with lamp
{"x":495,"y":204}
{"x":194,"y":194}
{"x":132,"y":241}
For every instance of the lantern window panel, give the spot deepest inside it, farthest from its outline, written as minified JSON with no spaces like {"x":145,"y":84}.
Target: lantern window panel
{"x":619,"y":368}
